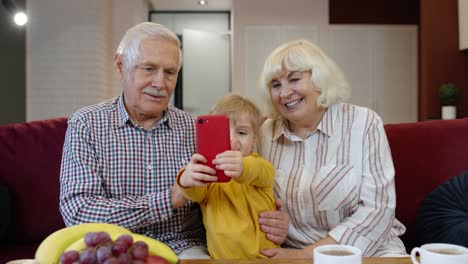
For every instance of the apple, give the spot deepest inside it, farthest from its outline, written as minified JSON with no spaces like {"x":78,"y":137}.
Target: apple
{"x":156,"y":260}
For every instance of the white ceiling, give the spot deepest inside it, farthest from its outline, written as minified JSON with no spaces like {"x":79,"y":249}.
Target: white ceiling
{"x":190,"y":5}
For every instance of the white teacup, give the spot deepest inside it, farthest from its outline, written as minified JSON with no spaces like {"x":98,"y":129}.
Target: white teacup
{"x":337,"y":254}
{"x":438,"y":253}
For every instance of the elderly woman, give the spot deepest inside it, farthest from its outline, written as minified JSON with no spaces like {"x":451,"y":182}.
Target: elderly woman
{"x":334,"y":167}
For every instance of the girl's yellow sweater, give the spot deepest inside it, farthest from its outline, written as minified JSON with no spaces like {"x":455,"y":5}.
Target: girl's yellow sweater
{"x":231,"y":210}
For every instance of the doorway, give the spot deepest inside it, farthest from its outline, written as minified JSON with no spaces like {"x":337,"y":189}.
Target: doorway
{"x":206,"y":47}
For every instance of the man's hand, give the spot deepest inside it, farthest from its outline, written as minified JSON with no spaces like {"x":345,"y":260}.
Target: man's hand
{"x":275,"y":224}
{"x":177,"y":198}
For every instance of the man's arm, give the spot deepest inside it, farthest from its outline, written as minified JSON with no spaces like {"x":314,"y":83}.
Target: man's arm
{"x":83,"y":197}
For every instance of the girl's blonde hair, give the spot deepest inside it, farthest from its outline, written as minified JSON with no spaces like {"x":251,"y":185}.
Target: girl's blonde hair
{"x":302,"y":55}
{"x":233,"y":105}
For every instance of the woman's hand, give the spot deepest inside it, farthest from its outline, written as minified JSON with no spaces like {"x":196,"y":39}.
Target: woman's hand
{"x":306,"y":252}
{"x":286,"y":253}
{"x":197,"y":174}
{"x":275,"y":224}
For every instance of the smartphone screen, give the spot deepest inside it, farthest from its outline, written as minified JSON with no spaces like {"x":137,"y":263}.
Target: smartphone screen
{"x":213,"y":138}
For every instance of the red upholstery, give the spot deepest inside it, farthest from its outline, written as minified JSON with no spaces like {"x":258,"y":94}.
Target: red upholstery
{"x":425,"y":155}
{"x":30,"y":156}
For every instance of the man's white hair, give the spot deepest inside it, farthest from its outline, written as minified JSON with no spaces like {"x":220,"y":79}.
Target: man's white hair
{"x":129,"y":46}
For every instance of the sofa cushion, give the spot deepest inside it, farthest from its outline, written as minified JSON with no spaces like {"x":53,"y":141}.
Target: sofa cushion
{"x":425,"y":155}
{"x":443,"y":215}
{"x":30,"y":155}
{"x":4,"y":210}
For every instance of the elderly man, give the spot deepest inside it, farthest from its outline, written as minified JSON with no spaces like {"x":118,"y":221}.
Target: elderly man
{"x":121,"y":156}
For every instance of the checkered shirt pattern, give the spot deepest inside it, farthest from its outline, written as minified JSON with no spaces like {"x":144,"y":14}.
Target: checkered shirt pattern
{"x":115,"y":171}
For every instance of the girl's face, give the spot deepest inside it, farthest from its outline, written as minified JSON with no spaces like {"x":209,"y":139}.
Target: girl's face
{"x":242,"y":134}
{"x":294,"y":95}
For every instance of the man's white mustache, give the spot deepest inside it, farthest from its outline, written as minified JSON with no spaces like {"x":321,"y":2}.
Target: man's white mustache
{"x":155,"y":92}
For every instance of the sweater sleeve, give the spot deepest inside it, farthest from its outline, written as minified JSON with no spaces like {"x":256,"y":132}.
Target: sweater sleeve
{"x":257,"y":171}
{"x":196,"y":194}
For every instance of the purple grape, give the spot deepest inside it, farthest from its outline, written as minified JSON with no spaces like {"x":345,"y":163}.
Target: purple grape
{"x":104,"y":253}
{"x":140,"y":252}
{"x":124,"y":258}
{"x":68,"y":257}
{"x":137,"y":261}
{"x":102,"y":238}
{"x":119,"y":247}
{"x":88,"y":256}
{"x":112,"y":260}
{"x":90,"y":239}
{"x":127,"y":239}
{"x":141,"y":244}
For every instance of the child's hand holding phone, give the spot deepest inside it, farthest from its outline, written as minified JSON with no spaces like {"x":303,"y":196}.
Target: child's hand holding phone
{"x":213,"y":138}
{"x":197,"y":174}
{"x":230,"y":162}
{"x":215,"y":161}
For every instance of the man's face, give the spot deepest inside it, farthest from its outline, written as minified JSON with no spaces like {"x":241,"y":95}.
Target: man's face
{"x":149,"y":85}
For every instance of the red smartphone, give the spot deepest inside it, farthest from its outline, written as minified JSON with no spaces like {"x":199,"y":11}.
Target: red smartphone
{"x":213,"y":138}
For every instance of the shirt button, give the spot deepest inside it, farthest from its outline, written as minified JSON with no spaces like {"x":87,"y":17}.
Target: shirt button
{"x":149,"y":166}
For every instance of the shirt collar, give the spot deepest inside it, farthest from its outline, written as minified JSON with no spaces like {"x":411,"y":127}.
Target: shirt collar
{"x":124,"y":117}
{"x":326,"y":124}
{"x":169,"y":117}
{"x":122,"y":113}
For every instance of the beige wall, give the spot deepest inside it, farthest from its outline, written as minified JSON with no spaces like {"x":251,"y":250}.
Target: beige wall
{"x":121,"y":21}
{"x":70,"y":54}
{"x":272,"y":12}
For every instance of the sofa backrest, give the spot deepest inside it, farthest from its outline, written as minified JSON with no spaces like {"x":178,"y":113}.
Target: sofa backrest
{"x":425,"y":155}
{"x":30,"y":157}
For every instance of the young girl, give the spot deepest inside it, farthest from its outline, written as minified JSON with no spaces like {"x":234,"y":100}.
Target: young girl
{"x":230,"y":210}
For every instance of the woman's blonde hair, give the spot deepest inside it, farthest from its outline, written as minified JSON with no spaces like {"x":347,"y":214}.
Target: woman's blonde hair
{"x":233,"y":105}
{"x":302,"y":55}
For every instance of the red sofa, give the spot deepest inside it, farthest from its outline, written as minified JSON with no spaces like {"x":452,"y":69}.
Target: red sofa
{"x":30,"y":156}
{"x":425,"y":155}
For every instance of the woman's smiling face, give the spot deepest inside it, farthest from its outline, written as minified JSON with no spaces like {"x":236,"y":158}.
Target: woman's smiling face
{"x":294,"y":95}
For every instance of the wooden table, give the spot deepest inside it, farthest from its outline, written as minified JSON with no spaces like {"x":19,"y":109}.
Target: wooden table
{"x":406,"y":260}
{"x":262,"y":261}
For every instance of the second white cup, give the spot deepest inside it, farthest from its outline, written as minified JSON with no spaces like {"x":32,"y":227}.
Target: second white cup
{"x":337,"y":254}
{"x":438,"y":253}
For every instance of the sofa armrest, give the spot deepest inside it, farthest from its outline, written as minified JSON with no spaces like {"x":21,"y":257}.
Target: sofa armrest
{"x":30,"y":157}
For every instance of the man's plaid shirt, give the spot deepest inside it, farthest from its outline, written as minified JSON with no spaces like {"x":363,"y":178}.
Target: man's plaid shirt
{"x":114,"y":171}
